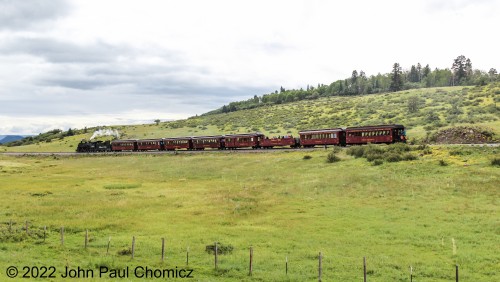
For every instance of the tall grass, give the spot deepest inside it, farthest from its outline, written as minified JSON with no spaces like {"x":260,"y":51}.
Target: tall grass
{"x":281,"y":205}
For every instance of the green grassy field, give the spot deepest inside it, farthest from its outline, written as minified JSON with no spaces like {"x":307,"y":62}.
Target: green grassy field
{"x":414,"y":213}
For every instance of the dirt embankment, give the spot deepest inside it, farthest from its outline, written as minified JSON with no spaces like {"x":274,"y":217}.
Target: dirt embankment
{"x":463,"y":135}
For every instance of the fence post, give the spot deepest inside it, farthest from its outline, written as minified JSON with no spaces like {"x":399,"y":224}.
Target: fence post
{"x":364,"y":269}
{"x":162,"y":249}
{"x":109,"y":242}
{"x":133,"y":246}
{"x":320,"y":267}
{"x":10,"y":225}
{"x":86,"y":238}
{"x":411,"y":273}
{"x":187,"y":256}
{"x":251,"y":261}
{"x":286,"y":265}
{"x":44,"y":232}
{"x":456,"y":272}
{"x":62,"y":235}
{"x":215,"y":255}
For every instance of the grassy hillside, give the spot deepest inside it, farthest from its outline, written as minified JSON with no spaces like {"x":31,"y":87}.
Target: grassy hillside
{"x":430,"y":213}
{"x":420,"y":110}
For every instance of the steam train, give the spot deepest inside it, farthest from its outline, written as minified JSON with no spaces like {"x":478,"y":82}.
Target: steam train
{"x":307,"y":139}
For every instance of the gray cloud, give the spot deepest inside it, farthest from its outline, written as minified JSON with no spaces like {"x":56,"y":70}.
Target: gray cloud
{"x":56,"y":51}
{"x":15,"y":14}
{"x":101,"y":78}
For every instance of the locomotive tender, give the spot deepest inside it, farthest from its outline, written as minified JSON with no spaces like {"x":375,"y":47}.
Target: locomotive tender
{"x":386,"y":134}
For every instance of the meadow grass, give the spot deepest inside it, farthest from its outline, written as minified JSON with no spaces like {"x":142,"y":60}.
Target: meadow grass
{"x":283,"y":204}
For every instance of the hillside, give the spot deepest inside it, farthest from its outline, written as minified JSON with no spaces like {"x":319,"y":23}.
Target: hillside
{"x":422,"y":111}
{"x":9,"y":138}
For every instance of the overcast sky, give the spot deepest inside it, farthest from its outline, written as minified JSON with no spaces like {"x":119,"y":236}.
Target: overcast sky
{"x":79,"y":63}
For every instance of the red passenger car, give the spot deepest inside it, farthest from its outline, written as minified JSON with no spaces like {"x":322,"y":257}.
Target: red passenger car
{"x":124,"y":145}
{"x":375,"y":134}
{"x":323,"y":137}
{"x":150,"y":144}
{"x":243,"y":140}
{"x":178,"y":143}
{"x":202,"y":142}
{"x":279,"y":142}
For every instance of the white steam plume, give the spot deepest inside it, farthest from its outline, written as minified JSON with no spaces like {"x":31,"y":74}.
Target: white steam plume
{"x":105,"y":132}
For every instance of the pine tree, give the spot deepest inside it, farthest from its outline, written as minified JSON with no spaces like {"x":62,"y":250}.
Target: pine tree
{"x":426,"y":71}
{"x":413,"y":74}
{"x":396,"y":78}
{"x":419,"y":71}
{"x":493,"y":74}
{"x":462,"y":69}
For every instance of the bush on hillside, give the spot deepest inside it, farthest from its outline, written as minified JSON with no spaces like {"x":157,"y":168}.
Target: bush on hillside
{"x":332,"y":158}
{"x":379,"y":153}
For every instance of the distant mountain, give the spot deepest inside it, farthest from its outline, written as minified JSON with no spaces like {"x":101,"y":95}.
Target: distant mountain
{"x":9,"y":138}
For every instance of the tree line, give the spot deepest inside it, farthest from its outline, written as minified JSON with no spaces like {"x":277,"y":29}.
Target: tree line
{"x":418,"y":76}
{"x":45,"y":137}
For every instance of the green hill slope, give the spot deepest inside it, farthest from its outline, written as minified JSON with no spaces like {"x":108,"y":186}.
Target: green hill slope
{"x":420,"y":110}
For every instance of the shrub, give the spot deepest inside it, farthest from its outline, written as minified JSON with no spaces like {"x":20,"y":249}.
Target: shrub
{"x":427,"y":151}
{"x":375,"y":149}
{"x":332,"y":158}
{"x":422,"y":147}
{"x":408,"y":157}
{"x":307,"y":157}
{"x":356,"y":151}
{"x":371,"y":156}
{"x":495,"y":162}
{"x":336,"y":149}
{"x":443,"y":163}
{"x":378,"y":162}
{"x":460,"y":152}
{"x":399,"y":148}
{"x":221,"y":249}
{"x":392,"y":157}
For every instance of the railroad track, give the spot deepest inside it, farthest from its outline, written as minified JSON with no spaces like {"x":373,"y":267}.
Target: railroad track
{"x":248,"y":151}
{"x":202,"y":151}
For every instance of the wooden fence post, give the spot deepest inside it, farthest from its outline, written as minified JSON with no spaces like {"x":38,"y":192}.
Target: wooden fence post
{"x":456,"y":272}
{"x":411,"y":273}
{"x":215,"y":255}
{"x":251,"y":261}
{"x":286,"y":265}
{"x":320,"y":267}
{"x":187,"y":256}
{"x":86,"y":238}
{"x":364,"y":269}
{"x":62,"y":235}
{"x":133,"y":246}
{"x":162,"y":249}
{"x":109,"y":242}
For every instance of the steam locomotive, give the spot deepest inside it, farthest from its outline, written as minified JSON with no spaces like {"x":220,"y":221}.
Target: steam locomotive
{"x":308,"y":138}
